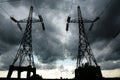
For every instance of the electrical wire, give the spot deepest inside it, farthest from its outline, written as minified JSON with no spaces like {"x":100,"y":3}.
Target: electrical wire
{"x":107,"y":6}
{"x":9,"y":1}
{"x":71,"y":7}
{"x":7,"y":14}
{"x":4,"y":11}
{"x":36,"y":6}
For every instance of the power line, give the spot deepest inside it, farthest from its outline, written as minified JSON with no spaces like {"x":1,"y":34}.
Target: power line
{"x":36,"y":6}
{"x":10,"y":1}
{"x":71,"y":7}
{"x":105,"y":8}
{"x":7,"y":14}
{"x":4,"y":11}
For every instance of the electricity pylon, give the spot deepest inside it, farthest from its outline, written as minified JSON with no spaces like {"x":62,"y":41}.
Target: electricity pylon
{"x":25,"y":53}
{"x":84,"y":50}
{"x":85,"y":55}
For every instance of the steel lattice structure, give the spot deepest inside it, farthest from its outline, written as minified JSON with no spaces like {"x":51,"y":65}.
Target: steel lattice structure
{"x":25,"y":52}
{"x":84,"y":49}
{"x":25,"y":49}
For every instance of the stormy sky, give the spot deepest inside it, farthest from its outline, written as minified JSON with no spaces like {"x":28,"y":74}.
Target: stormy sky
{"x":55,"y":43}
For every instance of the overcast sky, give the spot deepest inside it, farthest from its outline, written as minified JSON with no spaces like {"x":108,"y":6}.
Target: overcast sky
{"x":55,"y":44}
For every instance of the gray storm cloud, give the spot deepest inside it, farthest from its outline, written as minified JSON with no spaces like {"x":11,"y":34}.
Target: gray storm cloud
{"x":48,"y":45}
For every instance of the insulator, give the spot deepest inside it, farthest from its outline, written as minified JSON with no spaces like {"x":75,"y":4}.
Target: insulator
{"x":43,"y":26}
{"x":78,"y":6}
{"x":67,"y":26}
{"x":13,"y":19}
{"x":96,"y":19}
{"x":68,"y":19}
{"x":40,"y":17}
{"x":31,"y":7}
{"x":19,"y":26}
{"x":91,"y":26}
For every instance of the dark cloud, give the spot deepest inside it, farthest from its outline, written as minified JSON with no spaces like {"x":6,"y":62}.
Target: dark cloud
{"x":9,"y":35}
{"x":36,"y":3}
{"x":112,"y":65}
{"x":47,"y":66}
{"x":48,"y":45}
{"x":107,"y":26}
{"x":7,"y":58}
{"x":113,"y":53}
{"x":105,"y":31}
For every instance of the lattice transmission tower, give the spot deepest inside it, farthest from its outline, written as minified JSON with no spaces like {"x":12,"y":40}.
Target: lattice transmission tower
{"x":85,"y":58}
{"x":24,"y":58}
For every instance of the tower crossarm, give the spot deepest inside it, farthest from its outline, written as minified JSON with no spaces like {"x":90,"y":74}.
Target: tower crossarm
{"x":34,"y":20}
{"x":84,"y":20}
